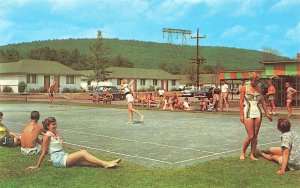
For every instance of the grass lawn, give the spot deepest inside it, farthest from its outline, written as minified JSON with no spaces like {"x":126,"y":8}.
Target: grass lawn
{"x":226,"y":172}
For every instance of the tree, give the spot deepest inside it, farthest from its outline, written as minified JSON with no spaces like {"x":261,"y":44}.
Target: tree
{"x":9,"y":55}
{"x":43,"y":53}
{"x":270,"y":54}
{"x":101,"y":63}
{"x":120,"y":61}
{"x":191,"y":74}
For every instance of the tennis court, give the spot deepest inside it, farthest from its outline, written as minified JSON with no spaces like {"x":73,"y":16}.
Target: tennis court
{"x":165,"y":139}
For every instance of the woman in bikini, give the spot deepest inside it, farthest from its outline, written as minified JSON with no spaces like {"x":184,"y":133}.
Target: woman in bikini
{"x":250,"y":113}
{"x":289,"y":97}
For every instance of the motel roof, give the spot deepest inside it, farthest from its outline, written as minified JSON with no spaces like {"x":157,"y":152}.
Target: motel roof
{"x":134,"y":73}
{"x":28,"y":66}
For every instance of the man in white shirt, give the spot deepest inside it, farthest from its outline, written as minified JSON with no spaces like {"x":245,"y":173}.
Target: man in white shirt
{"x":161,"y":92}
{"x":224,"y":96}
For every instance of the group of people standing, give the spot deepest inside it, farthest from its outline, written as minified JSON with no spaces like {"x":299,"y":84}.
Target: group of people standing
{"x":251,"y":95}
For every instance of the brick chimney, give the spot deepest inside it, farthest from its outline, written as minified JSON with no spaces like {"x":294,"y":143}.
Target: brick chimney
{"x":298,"y":55}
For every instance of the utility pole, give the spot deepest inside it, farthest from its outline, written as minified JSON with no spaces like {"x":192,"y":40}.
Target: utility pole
{"x":199,"y":60}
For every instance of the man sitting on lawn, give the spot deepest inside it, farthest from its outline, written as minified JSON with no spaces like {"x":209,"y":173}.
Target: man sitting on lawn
{"x":30,"y":142}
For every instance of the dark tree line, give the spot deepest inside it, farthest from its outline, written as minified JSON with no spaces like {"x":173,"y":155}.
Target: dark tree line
{"x":70,"y":58}
{"x":9,"y":55}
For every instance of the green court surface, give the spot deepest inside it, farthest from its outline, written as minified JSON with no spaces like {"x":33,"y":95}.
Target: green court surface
{"x":164,"y":139}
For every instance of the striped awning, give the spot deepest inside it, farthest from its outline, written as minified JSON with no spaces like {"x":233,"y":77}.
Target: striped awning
{"x":239,"y":74}
{"x":283,"y":69}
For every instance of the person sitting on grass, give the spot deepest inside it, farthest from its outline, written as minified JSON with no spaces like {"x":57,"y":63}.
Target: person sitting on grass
{"x":7,"y":137}
{"x":211,"y":105}
{"x":152,"y":99}
{"x":187,"y":104}
{"x":52,"y":143}
{"x":166,"y":104}
{"x":203,"y":105}
{"x":30,"y":142}
{"x":145,"y":100}
{"x":288,"y":155}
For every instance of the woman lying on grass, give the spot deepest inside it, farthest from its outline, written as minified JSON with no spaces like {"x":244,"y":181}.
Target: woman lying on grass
{"x":289,"y":153}
{"x":52,"y":143}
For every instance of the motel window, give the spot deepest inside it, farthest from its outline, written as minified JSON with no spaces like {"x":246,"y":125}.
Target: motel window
{"x":143,"y":82}
{"x":31,"y":78}
{"x":119,"y":81}
{"x":173,"y":82}
{"x":70,"y":80}
{"x":155,"y":82}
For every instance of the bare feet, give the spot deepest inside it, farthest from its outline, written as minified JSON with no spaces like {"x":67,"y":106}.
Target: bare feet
{"x":112,"y":164}
{"x":253,"y":158}
{"x":141,"y":118}
{"x":242,"y":156}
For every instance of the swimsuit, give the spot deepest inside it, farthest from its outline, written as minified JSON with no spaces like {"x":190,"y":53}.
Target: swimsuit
{"x":251,"y":104}
{"x":32,"y":151}
{"x":289,"y":94}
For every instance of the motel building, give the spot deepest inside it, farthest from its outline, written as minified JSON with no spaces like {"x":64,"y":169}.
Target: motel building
{"x":144,"y":79}
{"x":38,"y":75}
{"x":279,"y":71}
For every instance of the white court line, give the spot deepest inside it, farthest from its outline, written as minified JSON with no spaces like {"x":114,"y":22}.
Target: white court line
{"x":127,"y":155}
{"x":125,"y":139}
{"x":220,"y":153}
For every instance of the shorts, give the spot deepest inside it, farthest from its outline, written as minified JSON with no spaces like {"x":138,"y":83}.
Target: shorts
{"x":129,"y":98}
{"x":290,"y":165}
{"x":59,"y":159}
{"x":7,"y":141}
{"x":271,"y":97}
{"x":32,"y":151}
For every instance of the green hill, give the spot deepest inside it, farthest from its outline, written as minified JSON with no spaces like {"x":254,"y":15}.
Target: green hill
{"x":151,"y":55}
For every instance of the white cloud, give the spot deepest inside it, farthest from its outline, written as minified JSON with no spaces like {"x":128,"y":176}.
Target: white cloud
{"x":284,"y":5}
{"x":248,"y":7}
{"x":293,"y":34}
{"x":233,"y":31}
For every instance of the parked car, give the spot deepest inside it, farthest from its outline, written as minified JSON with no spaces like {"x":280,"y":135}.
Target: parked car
{"x":189,"y":91}
{"x":205,"y":92}
{"x":114,"y":91}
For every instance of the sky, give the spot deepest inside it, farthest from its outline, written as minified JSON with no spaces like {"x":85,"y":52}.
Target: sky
{"x":248,"y":24}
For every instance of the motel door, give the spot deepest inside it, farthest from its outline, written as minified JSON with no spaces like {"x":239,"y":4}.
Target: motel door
{"x":162,"y":84}
{"x":56,"y":87}
{"x":135,"y":85}
{"x":46,"y":82}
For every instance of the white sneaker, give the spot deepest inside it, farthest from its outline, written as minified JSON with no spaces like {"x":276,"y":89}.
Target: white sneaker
{"x":141,"y":118}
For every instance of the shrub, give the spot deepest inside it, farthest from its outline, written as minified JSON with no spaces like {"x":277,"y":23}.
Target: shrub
{"x":151,"y":88}
{"x":142,"y":90}
{"x":66,"y":90}
{"x":7,"y":89}
{"x":21,"y":87}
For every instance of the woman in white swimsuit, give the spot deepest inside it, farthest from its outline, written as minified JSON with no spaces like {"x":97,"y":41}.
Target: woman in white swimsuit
{"x":250,"y":113}
{"x":126,"y":89}
{"x":289,"y":97}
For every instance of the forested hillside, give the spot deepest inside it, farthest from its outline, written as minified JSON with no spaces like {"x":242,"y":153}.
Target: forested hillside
{"x":129,"y":53}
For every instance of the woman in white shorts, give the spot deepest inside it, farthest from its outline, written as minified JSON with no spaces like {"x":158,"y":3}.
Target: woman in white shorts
{"x":52,"y":143}
{"x":129,"y":93}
